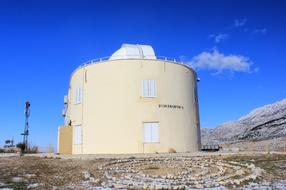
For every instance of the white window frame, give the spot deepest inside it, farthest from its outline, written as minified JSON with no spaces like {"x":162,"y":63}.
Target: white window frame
{"x":77,"y":135}
{"x":151,"y":132}
{"x":149,"y":88}
{"x":78,"y":96}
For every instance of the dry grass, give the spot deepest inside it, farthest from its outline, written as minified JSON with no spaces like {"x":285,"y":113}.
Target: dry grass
{"x":273,"y":164}
{"x":62,"y":173}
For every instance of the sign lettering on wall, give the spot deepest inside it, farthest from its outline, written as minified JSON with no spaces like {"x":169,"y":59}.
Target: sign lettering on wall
{"x":171,"y":106}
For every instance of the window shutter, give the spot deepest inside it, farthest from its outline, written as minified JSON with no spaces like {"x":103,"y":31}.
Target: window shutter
{"x":146,"y":88}
{"x":153,"y":88}
{"x":149,"y":88}
{"x":147,"y":132}
{"x":151,"y":132}
{"x":78,"y":96}
{"x":155,"y":132}
{"x":77,"y":134}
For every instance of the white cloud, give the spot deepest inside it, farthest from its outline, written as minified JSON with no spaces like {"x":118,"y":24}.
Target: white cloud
{"x":219,"y":37}
{"x":240,"y":22}
{"x":256,"y":69}
{"x":260,"y":31}
{"x":216,"y":61}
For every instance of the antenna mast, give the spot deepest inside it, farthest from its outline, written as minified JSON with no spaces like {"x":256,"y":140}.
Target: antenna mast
{"x":26,"y":128}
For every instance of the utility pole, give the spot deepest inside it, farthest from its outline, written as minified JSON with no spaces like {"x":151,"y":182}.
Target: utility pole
{"x":26,"y":128}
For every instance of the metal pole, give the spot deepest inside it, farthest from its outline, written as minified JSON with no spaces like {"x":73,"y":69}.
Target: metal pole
{"x":26,"y":128}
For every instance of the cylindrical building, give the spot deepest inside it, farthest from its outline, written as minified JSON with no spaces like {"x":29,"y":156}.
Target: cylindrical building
{"x":131,"y":103}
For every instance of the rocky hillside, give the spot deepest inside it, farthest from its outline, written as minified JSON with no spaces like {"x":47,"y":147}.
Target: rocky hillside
{"x":263,"y":123}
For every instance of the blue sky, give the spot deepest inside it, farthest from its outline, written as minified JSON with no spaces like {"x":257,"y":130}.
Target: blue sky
{"x":237,"y":47}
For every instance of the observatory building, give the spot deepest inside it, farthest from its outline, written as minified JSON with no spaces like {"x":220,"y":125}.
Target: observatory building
{"x":131,"y":102}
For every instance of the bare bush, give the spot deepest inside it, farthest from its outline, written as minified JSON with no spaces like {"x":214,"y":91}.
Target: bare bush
{"x":33,"y":150}
{"x":172,"y":150}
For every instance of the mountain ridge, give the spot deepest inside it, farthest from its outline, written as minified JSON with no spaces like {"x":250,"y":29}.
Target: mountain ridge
{"x":262,"y":123}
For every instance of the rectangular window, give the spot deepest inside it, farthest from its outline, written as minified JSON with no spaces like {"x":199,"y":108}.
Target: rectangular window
{"x":149,"y":88}
{"x":77,"y":134}
{"x":151,"y":132}
{"x":78,"y":95}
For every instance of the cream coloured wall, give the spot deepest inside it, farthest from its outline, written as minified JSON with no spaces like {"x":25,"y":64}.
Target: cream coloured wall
{"x":112,"y":110}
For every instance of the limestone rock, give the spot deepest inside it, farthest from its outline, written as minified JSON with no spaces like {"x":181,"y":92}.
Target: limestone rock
{"x":17,"y":179}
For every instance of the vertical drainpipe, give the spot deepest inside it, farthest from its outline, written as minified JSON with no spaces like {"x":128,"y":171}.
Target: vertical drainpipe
{"x":197,"y":110}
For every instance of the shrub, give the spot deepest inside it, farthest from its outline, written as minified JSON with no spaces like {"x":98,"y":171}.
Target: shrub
{"x":33,"y":150}
{"x":171,"y":150}
{"x":22,"y":146}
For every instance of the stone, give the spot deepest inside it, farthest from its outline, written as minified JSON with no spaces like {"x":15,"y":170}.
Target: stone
{"x":30,"y":175}
{"x":110,"y":185}
{"x":33,"y":185}
{"x":2,"y":184}
{"x":199,"y":186}
{"x":128,"y":176}
{"x":158,"y":187}
{"x":17,"y":179}
{"x":237,"y":182}
{"x":96,"y":181}
{"x":145,"y":186}
{"x":240,"y":172}
{"x":170,"y":176}
{"x":86,"y":175}
{"x":119,"y":186}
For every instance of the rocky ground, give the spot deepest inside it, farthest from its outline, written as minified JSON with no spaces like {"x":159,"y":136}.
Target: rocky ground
{"x":151,"y":171}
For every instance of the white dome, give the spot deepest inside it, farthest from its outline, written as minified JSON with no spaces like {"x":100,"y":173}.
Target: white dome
{"x":132,"y":51}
